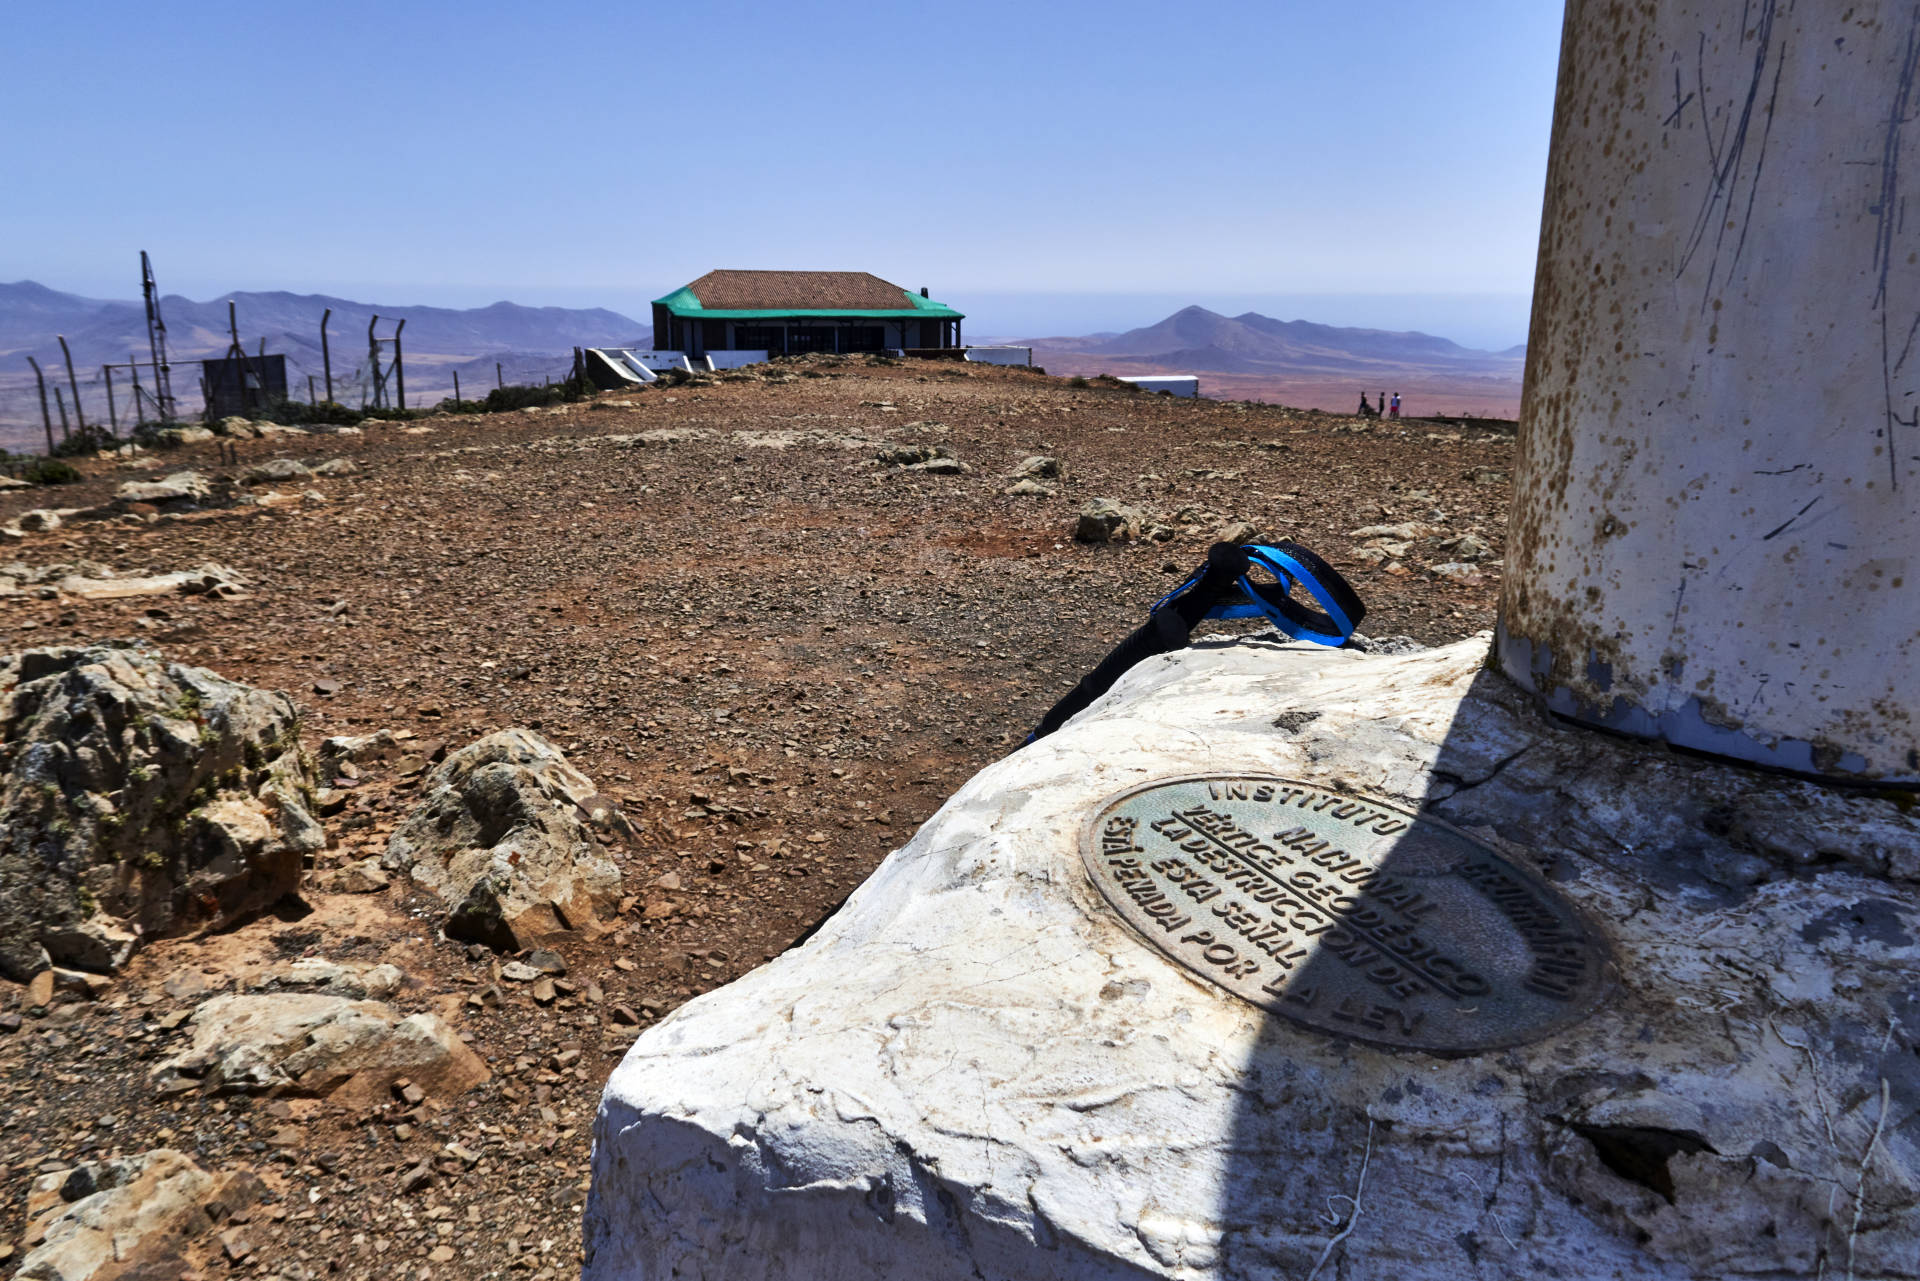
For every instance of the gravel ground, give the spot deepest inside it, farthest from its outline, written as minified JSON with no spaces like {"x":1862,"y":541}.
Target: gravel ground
{"x":779,"y":652}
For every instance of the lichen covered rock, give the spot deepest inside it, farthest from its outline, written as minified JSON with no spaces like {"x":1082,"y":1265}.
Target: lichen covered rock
{"x":139,"y":798}
{"x":504,"y":835}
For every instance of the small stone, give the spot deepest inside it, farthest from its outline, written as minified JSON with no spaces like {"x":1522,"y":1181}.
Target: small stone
{"x":418,"y":1177}
{"x":626,"y":1016}
{"x":326,"y":688}
{"x":1103,"y":520}
{"x":40,"y":989}
{"x":440,"y":1254}
{"x":463,"y":1154}
{"x":1240,"y":531}
{"x":185,"y":985}
{"x":518,"y":972}
{"x":1038,"y":467}
{"x":543,"y":991}
{"x":546,"y":961}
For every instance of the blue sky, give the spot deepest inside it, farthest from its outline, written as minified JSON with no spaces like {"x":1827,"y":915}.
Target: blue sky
{"x":1046,"y":167}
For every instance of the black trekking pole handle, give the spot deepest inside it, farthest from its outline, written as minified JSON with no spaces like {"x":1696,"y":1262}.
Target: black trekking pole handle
{"x":1165,"y":630}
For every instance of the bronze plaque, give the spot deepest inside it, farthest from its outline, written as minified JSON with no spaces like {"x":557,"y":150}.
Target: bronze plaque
{"x":1347,"y":914}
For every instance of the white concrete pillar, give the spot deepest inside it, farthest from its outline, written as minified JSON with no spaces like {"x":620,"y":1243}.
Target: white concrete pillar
{"x":1716,"y":526}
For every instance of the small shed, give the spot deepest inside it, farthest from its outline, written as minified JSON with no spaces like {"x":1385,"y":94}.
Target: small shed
{"x":243,"y":386}
{"x":789,"y":312}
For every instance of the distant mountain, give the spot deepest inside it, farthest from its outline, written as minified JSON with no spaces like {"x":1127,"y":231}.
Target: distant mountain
{"x":101,"y":331}
{"x":1196,"y":339}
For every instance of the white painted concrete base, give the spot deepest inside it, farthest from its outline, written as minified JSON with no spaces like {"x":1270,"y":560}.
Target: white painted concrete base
{"x":975,"y":1070}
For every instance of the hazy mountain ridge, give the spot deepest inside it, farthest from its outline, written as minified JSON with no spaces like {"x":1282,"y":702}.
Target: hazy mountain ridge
{"x":106,"y":330}
{"x":1197,"y":339}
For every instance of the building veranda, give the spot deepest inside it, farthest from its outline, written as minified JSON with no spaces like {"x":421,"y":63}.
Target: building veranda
{"x":790,"y":312}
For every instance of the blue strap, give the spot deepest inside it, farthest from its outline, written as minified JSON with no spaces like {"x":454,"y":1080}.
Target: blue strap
{"x":1290,"y":566}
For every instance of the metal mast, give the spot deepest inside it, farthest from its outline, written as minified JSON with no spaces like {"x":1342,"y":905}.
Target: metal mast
{"x":157,"y":341}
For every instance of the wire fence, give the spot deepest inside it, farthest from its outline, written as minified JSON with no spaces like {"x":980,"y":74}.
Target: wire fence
{"x":95,"y":397}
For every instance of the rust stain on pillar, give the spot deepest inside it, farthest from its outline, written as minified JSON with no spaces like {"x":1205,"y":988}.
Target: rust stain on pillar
{"x":1716,"y":525}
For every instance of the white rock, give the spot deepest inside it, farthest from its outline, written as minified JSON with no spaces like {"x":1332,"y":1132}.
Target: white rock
{"x":39,"y":520}
{"x":976,"y":1069}
{"x":210,"y":579}
{"x":329,"y":1046}
{"x":179,"y":487}
{"x":343,"y":978}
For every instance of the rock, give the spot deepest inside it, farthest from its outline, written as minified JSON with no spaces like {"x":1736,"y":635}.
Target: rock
{"x":1038,"y":467}
{"x":180,"y":489}
{"x":363,"y":876}
{"x":341,"y":750}
{"x":187,"y":435}
{"x":12,"y":482}
{"x":518,"y":972}
{"x":912,"y":455}
{"x":1469,"y":547}
{"x":38,"y":520}
{"x":210,"y":579}
{"x":349,"y":1052}
{"x":1458,"y":572}
{"x":1028,"y":489}
{"x":1403,"y":533}
{"x":185,"y":985}
{"x":276,"y":471}
{"x":80,"y":985}
{"x":1240,"y":531}
{"x":1102,"y":520}
{"x":342,"y":978}
{"x":337,"y":467}
{"x":236,"y":427}
{"x":1386,"y":645}
{"x":501,"y":836}
{"x":40,"y":989}
{"x":978,"y":1068}
{"x":265,"y":430}
{"x":1486,"y":476}
{"x":97,"y":943}
{"x":939,"y":467}
{"x":139,"y":798}
{"x":1378,"y":553}
{"x":546,"y":961}
{"x":131,"y":1218}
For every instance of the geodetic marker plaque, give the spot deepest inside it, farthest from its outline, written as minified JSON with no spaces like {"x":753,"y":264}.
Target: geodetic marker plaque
{"x":1347,"y":914}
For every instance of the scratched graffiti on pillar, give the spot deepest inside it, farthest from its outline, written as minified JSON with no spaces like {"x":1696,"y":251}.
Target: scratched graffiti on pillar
{"x":1345,"y":914}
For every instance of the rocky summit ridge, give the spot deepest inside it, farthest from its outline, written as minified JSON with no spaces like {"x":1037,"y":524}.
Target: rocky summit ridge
{"x":736,"y":639}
